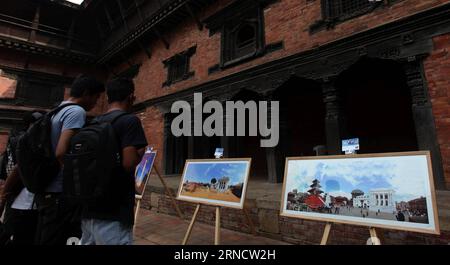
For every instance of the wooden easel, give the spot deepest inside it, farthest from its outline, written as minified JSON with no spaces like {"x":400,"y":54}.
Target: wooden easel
{"x":326,"y":234}
{"x":138,"y":198}
{"x":373,"y":234}
{"x":217,"y":226}
{"x":169,"y":192}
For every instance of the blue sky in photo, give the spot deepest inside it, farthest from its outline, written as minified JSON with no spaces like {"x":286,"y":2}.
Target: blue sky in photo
{"x":406,"y":175}
{"x":205,"y":171}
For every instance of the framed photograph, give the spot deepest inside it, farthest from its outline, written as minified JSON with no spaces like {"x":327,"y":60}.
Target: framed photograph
{"x":390,"y":190}
{"x":219,"y":182}
{"x":143,"y":171}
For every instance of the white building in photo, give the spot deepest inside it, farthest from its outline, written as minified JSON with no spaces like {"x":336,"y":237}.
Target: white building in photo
{"x":377,"y":200}
{"x":222,"y":184}
{"x":382,"y":200}
{"x":361,"y":201}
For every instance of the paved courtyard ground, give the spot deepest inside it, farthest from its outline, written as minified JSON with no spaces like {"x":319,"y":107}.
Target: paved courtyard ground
{"x":160,"y":229}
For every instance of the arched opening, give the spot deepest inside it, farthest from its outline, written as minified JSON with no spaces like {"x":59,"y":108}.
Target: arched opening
{"x":376,"y":104}
{"x":302,"y":117}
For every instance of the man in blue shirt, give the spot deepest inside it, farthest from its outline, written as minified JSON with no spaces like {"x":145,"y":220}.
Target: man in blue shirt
{"x":58,"y":219}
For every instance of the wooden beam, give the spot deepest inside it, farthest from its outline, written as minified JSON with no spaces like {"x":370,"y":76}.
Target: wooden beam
{"x":100,"y":30}
{"x":160,"y":36}
{"x":194,"y":16}
{"x":35,"y":24}
{"x":70,"y":33}
{"x":139,"y":11}
{"x":108,"y":16}
{"x":122,"y":14}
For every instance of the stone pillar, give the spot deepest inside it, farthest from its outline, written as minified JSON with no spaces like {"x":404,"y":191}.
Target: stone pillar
{"x":333,"y":117}
{"x":423,"y":116}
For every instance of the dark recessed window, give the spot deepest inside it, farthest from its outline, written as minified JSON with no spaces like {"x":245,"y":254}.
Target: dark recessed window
{"x":243,"y":37}
{"x":346,"y":8}
{"x":178,"y":67}
{"x":241,"y":25}
{"x":335,"y":11}
{"x":245,"y":40}
{"x":33,"y":92}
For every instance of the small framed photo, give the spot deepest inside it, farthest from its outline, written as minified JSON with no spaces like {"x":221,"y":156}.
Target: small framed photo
{"x":219,"y":182}
{"x":143,"y":170}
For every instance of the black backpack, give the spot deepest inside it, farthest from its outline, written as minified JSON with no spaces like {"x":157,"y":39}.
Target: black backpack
{"x":36,"y":159}
{"x":92,"y":163}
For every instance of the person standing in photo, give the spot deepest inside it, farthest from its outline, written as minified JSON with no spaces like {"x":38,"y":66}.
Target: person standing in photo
{"x":20,"y":218}
{"x":111,"y":223}
{"x":58,"y":219}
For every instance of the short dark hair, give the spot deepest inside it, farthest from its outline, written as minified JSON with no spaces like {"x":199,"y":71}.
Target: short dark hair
{"x":119,"y":89}
{"x":83,"y":84}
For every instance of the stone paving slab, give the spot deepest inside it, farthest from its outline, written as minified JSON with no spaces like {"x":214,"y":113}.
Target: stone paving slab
{"x":159,"y":229}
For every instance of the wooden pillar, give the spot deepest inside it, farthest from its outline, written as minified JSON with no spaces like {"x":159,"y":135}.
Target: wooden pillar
{"x":225,"y":141}
{"x":333,"y":116}
{"x":191,"y":142}
{"x":168,"y":146}
{"x":70,"y":33}
{"x":274,"y":174}
{"x":423,"y":116}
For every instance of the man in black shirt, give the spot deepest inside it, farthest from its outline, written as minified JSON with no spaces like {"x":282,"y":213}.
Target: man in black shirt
{"x":112,"y":224}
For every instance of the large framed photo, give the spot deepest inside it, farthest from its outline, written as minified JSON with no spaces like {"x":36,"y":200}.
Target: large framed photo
{"x":390,"y":190}
{"x":143,"y":171}
{"x":219,"y":182}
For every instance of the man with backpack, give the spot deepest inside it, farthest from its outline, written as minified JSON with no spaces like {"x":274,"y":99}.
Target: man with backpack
{"x":40,"y":161}
{"x":116,"y":141}
{"x":20,"y":219}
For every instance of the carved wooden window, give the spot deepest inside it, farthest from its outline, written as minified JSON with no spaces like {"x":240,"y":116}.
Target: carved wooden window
{"x":241,"y":41}
{"x":178,"y":67}
{"x":243,"y":37}
{"x":345,"y":8}
{"x":335,"y":11}
{"x":36,"y":92}
{"x":241,"y":25}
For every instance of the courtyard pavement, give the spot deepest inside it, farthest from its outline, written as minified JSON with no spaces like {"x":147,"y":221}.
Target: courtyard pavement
{"x":160,"y":229}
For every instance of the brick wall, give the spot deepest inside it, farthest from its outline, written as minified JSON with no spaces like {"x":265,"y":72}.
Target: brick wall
{"x":437,"y":71}
{"x":286,"y":20}
{"x":265,"y":217}
{"x":7,"y":86}
{"x":153,"y":123}
{"x":3,"y":141}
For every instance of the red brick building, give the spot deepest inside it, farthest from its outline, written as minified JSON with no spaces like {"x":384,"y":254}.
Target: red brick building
{"x":378,"y":71}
